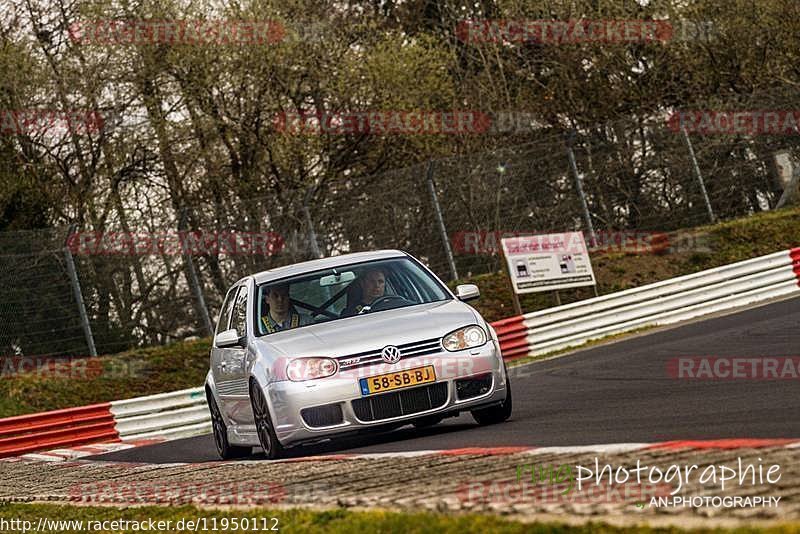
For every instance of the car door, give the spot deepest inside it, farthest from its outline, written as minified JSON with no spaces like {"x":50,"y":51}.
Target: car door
{"x":223,"y":323}
{"x":232,"y":377}
{"x":235,"y":363}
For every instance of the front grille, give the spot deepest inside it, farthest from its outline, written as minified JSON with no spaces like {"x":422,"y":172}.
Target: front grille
{"x":404,"y":402}
{"x":326,"y":415}
{"x":473,"y":387}
{"x":407,"y":350}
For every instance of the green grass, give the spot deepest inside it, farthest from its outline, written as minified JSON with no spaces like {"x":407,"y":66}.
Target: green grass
{"x":315,"y":521}
{"x":184,"y":365}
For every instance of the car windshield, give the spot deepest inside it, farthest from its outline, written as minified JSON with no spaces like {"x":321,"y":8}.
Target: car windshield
{"x":344,"y":291}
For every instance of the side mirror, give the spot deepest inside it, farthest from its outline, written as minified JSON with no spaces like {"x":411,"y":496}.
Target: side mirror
{"x":467,"y":292}
{"x":228,"y":338}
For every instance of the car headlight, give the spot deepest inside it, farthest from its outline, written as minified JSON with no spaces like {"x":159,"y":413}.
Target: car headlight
{"x":464,"y":338}
{"x":301,"y":369}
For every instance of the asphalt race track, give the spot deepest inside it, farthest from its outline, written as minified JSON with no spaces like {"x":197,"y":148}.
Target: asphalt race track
{"x":615,"y":393}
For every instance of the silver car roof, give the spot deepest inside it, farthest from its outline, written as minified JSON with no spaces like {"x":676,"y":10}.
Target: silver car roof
{"x":324,"y":263}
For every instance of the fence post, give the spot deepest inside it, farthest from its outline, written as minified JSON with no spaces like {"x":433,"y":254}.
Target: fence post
{"x":440,"y":220}
{"x":76,"y":290}
{"x":194,"y":281}
{"x":579,"y":187}
{"x":312,"y":235}
{"x":697,"y":174}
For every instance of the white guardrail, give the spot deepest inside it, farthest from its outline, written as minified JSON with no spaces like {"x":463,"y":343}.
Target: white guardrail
{"x":670,"y":301}
{"x":178,"y":414}
{"x":184,"y":413}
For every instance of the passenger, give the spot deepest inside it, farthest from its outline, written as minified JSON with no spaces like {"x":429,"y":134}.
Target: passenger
{"x":281,"y":315}
{"x":371,"y":285}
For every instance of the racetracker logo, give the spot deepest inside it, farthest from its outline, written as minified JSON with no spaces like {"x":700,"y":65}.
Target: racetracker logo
{"x":734,"y":368}
{"x":487,"y":242}
{"x":524,"y":491}
{"x":554,"y":32}
{"x":37,"y":121}
{"x":179,"y":493}
{"x":383,"y":122}
{"x":67,"y":367}
{"x":64,"y":367}
{"x":710,"y":122}
{"x":308,"y":368}
{"x":192,"y":243}
{"x":178,"y":32}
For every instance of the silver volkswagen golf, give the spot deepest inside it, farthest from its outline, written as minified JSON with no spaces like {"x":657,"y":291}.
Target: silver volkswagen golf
{"x":358,"y":342}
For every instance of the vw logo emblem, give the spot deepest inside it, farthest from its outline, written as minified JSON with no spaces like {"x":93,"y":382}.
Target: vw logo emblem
{"x":390,"y":354}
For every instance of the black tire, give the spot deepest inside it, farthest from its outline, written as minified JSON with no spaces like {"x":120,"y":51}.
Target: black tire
{"x":264,"y":428}
{"x":225,"y":450}
{"x":428,"y":420}
{"x":495,"y":414}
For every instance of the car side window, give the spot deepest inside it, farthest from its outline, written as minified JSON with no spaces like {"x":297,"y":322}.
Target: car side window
{"x":239,"y":320}
{"x":225,"y":311}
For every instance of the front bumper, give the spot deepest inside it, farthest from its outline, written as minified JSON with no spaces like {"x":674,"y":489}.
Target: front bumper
{"x":289,"y":399}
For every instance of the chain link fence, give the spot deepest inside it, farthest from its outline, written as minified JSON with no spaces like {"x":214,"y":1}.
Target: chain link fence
{"x":157,"y":271}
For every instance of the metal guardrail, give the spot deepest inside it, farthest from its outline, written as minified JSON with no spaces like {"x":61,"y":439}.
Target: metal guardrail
{"x":512,"y":334}
{"x":171,"y":415}
{"x":184,"y":413}
{"x":175,"y":414}
{"x":58,"y":428}
{"x":670,"y":301}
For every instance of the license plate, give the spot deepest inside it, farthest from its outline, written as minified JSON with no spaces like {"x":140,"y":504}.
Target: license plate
{"x":397,"y":380}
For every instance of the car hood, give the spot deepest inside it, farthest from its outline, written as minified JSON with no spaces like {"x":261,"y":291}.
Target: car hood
{"x":372,"y":331}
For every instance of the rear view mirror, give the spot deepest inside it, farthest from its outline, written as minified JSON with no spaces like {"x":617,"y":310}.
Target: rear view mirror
{"x":228,"y":338}
{"x":334,"y":279}
{"x":467,"y":292}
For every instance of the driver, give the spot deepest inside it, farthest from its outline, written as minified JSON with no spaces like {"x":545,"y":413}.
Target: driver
{"x":373,"y":286}
{"x":281,"y":315}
